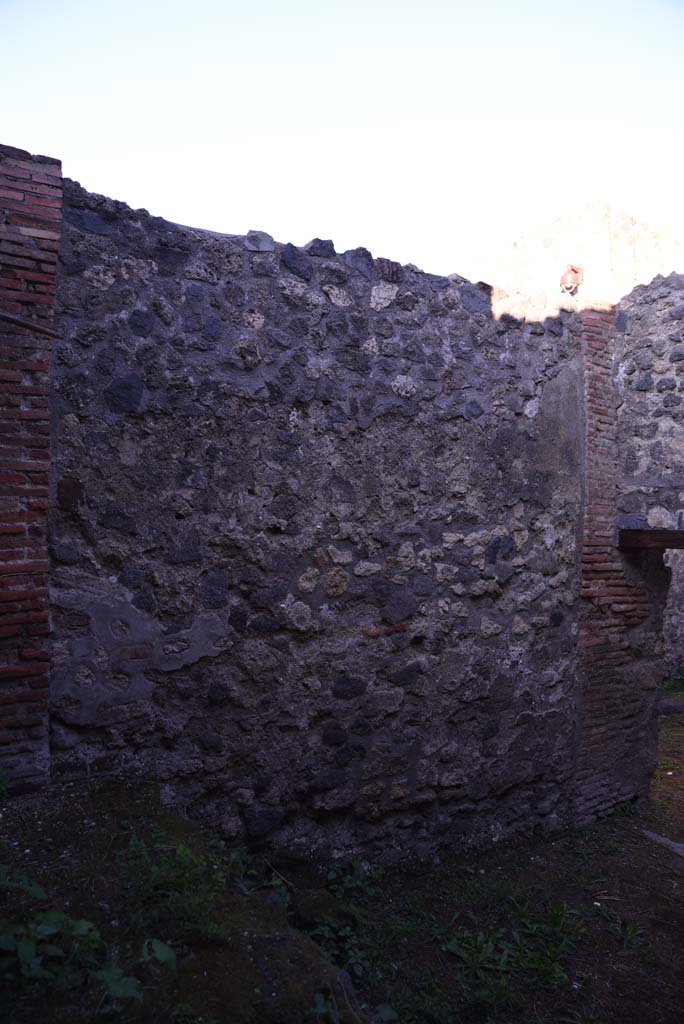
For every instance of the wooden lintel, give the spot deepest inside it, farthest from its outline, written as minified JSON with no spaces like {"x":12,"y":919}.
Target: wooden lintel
{"x":630,"y":540}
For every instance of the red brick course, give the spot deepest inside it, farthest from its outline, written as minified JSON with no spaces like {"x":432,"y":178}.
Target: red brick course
{"x":30,"y":219}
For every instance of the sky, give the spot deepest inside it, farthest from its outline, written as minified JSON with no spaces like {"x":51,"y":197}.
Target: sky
{"x":430,"y":132}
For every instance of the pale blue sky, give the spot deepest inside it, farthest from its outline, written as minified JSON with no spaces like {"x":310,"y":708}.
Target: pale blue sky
{"x":432,"y":133}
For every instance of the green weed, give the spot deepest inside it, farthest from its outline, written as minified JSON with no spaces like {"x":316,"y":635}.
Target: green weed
{"x":531,"y":949}
{"x":350,"y":880}
{"x":251,"y":875}
{"x":630,"y":935}
{"x":344,"y":946}
{"x":174,"y":886}
{"x":52,"y":948}
{"x":10,"y":880}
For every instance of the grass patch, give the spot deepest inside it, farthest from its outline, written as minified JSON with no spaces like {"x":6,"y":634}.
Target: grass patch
{"x":173,"y":887}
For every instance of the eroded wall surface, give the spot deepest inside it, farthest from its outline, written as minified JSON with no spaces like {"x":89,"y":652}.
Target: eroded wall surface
{"x":314,"y":540}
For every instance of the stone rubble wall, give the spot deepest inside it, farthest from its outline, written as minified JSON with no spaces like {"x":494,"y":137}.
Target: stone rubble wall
{"x":650,"y":380}
{"x":314,"y":539}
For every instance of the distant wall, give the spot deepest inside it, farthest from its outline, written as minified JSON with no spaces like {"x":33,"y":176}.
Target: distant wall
{"x":30,"y":215}
{"x":650,"y":382}
{"x":616,"y":253}
{"x":650,"y":379}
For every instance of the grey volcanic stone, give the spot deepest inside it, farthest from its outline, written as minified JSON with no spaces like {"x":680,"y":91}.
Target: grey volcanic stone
{"x":361,"y":260}
{"x":643,"y":382}
{"x":400,"y":605}
{"x":333,"y":734}
{"x":215,"y":589}
{"x":117,"y":519}
{"x":67,"y":554}
{"x":320,"y":247}
{"x":328,"y":778}
{"x":297,"y":262}
{"x":90,"y":221}
{"x":124,"y":394}
{"x":260,"y":819}
{"x":475,"y":299}
{"x":472,"y":409}
{"x":219,"y":693}
{"x":347,"y":687}
{"x":259,"y":241}
{"x":141,"y":322}
{"x":408,"y":675}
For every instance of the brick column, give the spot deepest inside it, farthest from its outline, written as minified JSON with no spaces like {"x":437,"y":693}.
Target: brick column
{"x":617,"y":724}
{"x":30,"y":220}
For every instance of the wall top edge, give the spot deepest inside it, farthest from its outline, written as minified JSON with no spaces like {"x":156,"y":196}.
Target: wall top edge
{"x":23,"y":154}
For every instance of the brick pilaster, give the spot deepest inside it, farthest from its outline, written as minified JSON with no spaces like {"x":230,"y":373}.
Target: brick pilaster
{"x":30,"y":221}
{"x":616,"y":706}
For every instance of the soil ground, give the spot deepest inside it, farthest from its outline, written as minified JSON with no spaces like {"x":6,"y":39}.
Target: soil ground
{"x":112,"y":908}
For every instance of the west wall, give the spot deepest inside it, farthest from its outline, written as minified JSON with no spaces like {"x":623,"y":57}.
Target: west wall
{"x":314,"y":538}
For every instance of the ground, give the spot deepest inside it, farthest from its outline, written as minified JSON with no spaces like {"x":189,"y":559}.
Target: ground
{"x":113,"y":908}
